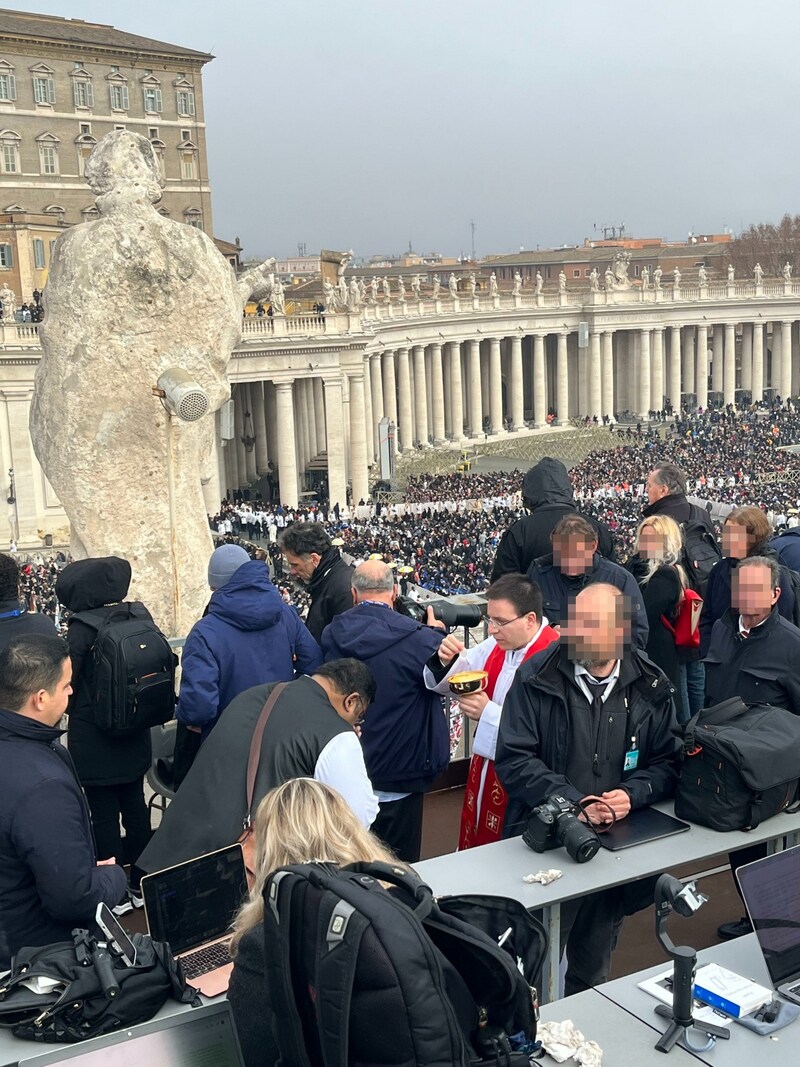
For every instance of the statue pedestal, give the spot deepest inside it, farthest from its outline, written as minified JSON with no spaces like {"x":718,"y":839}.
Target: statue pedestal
{"x":404,"y":309}
{"x":437,"y":306}
{"x":476,"y":303}
{"x":456,"y":305}
{"x":704,"y":292}
{"x":517,"y":298}
{"x":659,"y":295}
{"x":420,"y":308}
{"x":759,"y":289}
{"x":676,"y":292}
{"x":787,"y":288}
{"x":730,"y":290}
{"x":539,"y":300}
{"x":389,"y":309}
{"x":562,"y":298}
{"x":279,"y":325}
{"x":593,"y":297}
{"x":496,"y":301}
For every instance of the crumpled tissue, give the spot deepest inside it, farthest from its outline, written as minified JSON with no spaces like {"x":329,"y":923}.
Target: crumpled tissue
{"x":542,"y":877}
{"x":563,"y":1041}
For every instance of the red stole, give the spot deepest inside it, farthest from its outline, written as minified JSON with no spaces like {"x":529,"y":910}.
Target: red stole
{"x":482,"y":814}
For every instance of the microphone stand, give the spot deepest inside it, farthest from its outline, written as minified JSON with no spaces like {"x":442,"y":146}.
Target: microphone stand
{"x":670,"y":893}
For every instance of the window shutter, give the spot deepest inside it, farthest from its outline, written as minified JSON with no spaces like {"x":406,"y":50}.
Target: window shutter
{"x":7,"y":255}
{"x":76,"y":97}
{"x":159,"y":104}
{"x":51,"y":91}
{"x":89,"y":94}
{"x":124,"y":95}
{"x":190,"y":98}
{"x":12,"y":87}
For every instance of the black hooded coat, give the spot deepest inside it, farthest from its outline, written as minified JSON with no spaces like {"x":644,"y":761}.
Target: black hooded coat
{"x":547,"y":492}
{"x":99,"y":758}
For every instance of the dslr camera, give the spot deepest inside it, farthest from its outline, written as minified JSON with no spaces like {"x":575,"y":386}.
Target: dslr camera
{"x":555,"y":823}
{"x":450,"y":614}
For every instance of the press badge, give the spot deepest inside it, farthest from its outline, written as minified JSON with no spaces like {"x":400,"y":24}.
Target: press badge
{"x":631,"y":757}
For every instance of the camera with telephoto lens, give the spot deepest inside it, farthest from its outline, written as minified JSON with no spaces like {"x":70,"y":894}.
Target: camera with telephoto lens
{"x":555,"y":822}
{"x":450,"y":614}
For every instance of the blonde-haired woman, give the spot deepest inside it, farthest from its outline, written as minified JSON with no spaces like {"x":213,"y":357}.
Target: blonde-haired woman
{"x":301,"y":820}
{"x":661,"y":578}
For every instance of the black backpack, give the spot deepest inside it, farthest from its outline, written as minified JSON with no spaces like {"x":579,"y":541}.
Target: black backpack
{"x":131,"y":673}
{"x":739,"y":766}
{"x":358,"y":975}
{"x":701,"y":553}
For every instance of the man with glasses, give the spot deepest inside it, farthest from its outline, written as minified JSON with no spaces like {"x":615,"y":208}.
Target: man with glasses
{"x":517,"y":631}
{"x":312,"y":732}
{"x":406,"y":735}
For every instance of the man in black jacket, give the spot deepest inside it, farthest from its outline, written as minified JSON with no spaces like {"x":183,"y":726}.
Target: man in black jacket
{"x":15,"y":620}
{"x":50,"y":881}
{"x":666,"y":495}
{"x":589,"y":719}
{"x":546,"y":492}
{"x":316,"y":564}
{"x":753,"y":654}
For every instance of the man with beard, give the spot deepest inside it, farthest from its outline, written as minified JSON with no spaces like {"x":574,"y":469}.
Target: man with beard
{"x":315,"y":564}
{"x":590,"y":719}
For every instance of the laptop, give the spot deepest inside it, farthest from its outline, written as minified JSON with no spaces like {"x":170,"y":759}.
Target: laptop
{"x":771,"y":891}
{"x":204,"y":1035}
{"x":644,"y":824}
{"x":192,"y":906}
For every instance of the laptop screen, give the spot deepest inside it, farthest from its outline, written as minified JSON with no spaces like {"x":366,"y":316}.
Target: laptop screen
{"x":771,"y":891}
{"x":196,"y":901}
{"x":203,"y":1036}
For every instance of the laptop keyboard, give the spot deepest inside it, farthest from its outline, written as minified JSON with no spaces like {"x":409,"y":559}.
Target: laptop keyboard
{"x":206,"y":959}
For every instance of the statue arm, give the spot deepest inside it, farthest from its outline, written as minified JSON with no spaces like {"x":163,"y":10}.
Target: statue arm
{"x":256,"y":283}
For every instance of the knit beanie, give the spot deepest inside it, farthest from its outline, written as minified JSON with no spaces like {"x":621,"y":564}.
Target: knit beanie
{"x":224,"y":562}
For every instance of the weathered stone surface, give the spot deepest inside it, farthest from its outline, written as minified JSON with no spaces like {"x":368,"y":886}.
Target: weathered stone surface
{"x":129,"y":296}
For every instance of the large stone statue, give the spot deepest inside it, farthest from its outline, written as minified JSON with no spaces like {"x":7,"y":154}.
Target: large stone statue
{"x":9,"y":302}
{"x":401,"y":289}
{"x":437,"y":287}
{"x":517,"y":286}
{"x":657,"y":278}
{"x":539,"y":283}
{"x":645,"y":278}
{"x":731,"y":274}
{"x":787,"y":272}
{"x":473,"y":284}
{"x":277,"y":298}
{"x":452,"y":285}
{"x":373,"y":290}
{"x":355,"y":295}
{"x":758,"y":273}
{"x":416,"y":287}
{"x":676,"y":278}
{"x":130,"y":296}
{"x":343,"y":292}
{"x":609,"y":279}
{"x":562,"y":282}
{"x":493,"y":284}
{"x":702,"y":275}
{"x":386,"y":285}
{"x":330,"y":296}
{"x":362,"y":291}
{"x":619,"y":279}
{"x":594,"y":280}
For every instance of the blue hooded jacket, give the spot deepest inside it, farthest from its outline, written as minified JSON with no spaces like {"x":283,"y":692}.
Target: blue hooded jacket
{"x":248,"y":637}
{"x":405,"y":736}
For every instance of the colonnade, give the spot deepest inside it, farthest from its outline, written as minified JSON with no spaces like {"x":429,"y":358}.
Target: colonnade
{"x":487,"y":386}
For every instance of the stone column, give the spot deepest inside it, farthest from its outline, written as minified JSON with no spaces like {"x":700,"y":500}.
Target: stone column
{"x":404,"y":400}
{"x":717,"y":359}
{"x":675,"y":367}
{"x":358,"y":439}
{"x":608,"y":373}
{"x":688,"y":359}
{"x":369,"y":424}
{"x":758,"y":362}
{"x":562,"y":380}
{"x":456,"y":392}
{"x":301,"y":427}
{"x":747,"y":357}
{"x":702,"y":367}
{"x":475,"y":397}
{"x":238,"y":432}
{"x":447,"y":393}
{"x":516,"y":397}
{"x":437,"y":394}
{"x":643,"y":399}
{"x":729,"y":373}
{"x":259,"y":426}
{"x":420,"y":395}
{"x":390,"y":395}
{"x":249,"y":427}
{"x":774,"y":346}
{"x":287,"y":454}
{"x":786,"y":361}
{"x":657,"y":371}
{"x":495,"y":387}
{"x":271,"y":414}
{"x":595,"y":376}
{"x":337,"y":482}
{"x":378,"y":410}
{"x":26,"y":515}
{"x":539,"y":382}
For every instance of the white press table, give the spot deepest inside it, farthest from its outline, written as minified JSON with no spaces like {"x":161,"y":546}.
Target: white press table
{"x":499,"y":868}
{"x":744,"y":1046}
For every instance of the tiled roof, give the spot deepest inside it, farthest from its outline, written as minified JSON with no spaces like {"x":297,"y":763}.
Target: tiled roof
{"x":85,"y":34}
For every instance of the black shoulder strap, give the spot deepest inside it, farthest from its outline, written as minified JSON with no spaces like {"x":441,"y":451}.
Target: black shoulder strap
{"x":98,"y":619}
{"x":278,"y":901}
{"x":335,"y":967}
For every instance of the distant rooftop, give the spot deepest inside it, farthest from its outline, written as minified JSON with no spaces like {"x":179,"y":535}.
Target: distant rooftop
{"x":41,"y":28}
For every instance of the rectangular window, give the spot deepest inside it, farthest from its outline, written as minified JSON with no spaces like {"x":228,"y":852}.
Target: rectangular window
{"x":10,"y":159}
{"x":119,"y":97}
{"x":8,"y":87}
{"x":195,"y":221}
{"x":85,"y":128}
{"x":83,"y":154}
{"x":38,"y":253}
{"x":114,"y":70}
{"x":576,"y":273}
{"x":44,"y":90}
{"x":119,"y":127}
{"x":6,"y":257}
{"x":83,"y":94}
{"x":152,"y":100}
{"x":187,"y":166}
{"x":152,"y":133}
{"x":49,"y":159}
{"x":186,"y":102}
{"x":186,"y":135}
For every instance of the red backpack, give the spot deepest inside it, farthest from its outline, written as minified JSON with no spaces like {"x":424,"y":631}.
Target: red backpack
{"x":685,"y":628}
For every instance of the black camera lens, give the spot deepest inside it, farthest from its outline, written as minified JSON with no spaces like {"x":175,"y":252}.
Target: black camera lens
{"x":580,"y":840}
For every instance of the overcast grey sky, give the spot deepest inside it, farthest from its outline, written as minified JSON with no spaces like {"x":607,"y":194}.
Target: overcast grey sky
{"x":368,"y":124}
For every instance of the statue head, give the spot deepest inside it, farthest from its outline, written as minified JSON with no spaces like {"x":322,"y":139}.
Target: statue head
{"x":124,"y":164}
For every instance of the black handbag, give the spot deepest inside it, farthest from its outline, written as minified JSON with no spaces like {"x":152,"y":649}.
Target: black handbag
{"x":79,"y":1006}
{"x":740,"y":765}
